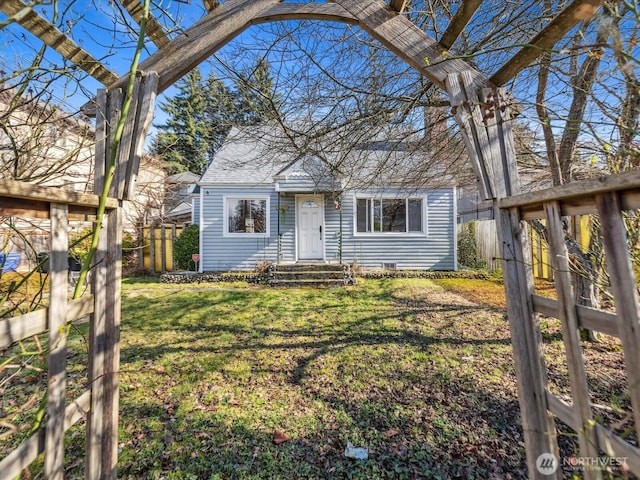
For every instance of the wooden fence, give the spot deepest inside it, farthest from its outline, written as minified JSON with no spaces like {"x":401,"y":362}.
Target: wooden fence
{"x":156,"y":247}
{"x":486,"y":240}
{"x":98,"y":404}
{"x":609,"y":198}
{"x":486,"y":237}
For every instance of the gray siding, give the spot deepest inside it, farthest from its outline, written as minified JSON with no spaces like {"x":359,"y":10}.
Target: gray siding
{"x":195,"y":211}
{"x":287,"y":224}
{"x":332,"y":228}
{"x":435,"y":251}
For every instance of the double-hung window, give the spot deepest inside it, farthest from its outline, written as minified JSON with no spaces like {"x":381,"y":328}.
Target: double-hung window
{"x":247,"y":216}
{"x":390,"y":215}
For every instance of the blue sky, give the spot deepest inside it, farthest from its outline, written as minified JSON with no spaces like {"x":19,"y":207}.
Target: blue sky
{"x":105,"y":30}
{"x":98,"y":27}
{"x":92,"y":24}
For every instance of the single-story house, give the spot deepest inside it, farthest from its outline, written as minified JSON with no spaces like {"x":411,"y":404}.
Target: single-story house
{"x":261,"y":202}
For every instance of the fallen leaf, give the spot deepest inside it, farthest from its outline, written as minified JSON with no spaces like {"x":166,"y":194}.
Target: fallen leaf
{"x":280,"y":437}
{"x":392,"y":432}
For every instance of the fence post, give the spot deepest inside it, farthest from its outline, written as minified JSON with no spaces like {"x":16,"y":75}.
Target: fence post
{"x":112,"y":352}
{"x":484,"y":120}
{"x":141,"y":248}
{"x":163,"y":248}
{"x":57,"y":358}
{"x":152,"y":248}
{"x":97,"y":349}
{"x":173,"y":244}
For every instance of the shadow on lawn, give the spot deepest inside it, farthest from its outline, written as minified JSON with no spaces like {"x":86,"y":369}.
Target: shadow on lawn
{"x":164,"y":441}
{"x":321,"y":340}
{"x":406,"y":380}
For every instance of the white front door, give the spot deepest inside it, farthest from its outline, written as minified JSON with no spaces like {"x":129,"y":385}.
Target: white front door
{"x":310,"y":216}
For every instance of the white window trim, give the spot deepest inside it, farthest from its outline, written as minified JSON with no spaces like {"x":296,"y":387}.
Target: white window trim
{"x":425,"y":216}
{"x":225,"y":219}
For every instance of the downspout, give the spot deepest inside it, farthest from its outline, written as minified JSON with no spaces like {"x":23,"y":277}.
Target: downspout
{"x":340,"y":239}
{"x":201,"y":230}
{"x":454,"y":194}
{"x":279,"y":244}
{"x":338,"y":203}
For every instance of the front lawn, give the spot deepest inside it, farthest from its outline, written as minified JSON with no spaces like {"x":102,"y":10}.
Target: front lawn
{"x":238,"y":381}
{"x":420,"y":377}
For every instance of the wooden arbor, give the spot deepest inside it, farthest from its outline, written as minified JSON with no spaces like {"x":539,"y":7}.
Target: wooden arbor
{"x":98,"y":404}
{"x":482,"y":112}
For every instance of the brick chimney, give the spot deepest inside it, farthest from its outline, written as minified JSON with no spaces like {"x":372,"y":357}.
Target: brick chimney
{"x":435,"y":124}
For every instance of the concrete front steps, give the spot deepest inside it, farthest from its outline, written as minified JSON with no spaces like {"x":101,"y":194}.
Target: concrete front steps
{"x":317,"y":274}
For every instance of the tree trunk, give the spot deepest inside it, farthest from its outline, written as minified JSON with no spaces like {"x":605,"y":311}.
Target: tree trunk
{"x":543,"y":115}
{"x":582,"y":85}
{"x":561,"y":158}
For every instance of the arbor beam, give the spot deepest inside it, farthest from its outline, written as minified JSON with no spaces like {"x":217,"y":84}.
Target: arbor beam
{"x":309,"y":11}
{"x":154,"y":29}
{"x":25,"y":16}
{"x":459,"y":21}
{"x":402,"y":37}
{"x":578,"y":11}
{"x":233,"y":16}
{"x":398,"y":5}
{"x":200,"y":41}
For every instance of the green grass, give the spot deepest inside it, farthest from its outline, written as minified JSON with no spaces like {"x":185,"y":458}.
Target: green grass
{"x":418,"y":371}
{"x":209,"y":374}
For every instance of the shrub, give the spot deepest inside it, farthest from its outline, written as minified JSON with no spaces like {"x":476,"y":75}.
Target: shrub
{"x":129,"y":253}
{"x":186,"y":245}
{"x":468,"y":253}
{"x":80,"y":243}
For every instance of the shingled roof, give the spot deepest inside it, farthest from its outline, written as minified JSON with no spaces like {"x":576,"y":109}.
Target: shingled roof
{"x":263,"y":155}
{"x":247,"y":157}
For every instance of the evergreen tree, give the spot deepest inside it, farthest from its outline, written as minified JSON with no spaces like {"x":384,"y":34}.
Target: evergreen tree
{"x":201,"y":114}
{"x":183,"y":141}
{"x":219,"y":109}
{"x":256,"y":100}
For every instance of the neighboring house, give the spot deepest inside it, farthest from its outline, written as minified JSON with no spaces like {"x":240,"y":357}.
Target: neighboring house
{"x":181,"y":191}
{"x":42,"y":144}
{"x":260,"y":203}
{"x":149,"y":195}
